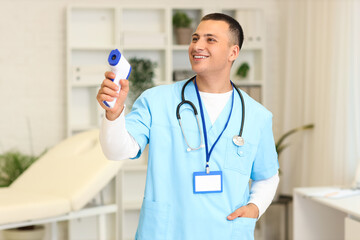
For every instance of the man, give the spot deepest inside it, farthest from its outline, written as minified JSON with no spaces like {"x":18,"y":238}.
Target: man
{"x":174,"y":205}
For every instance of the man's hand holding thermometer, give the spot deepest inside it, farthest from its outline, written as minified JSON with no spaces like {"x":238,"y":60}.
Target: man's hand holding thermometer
{"x":115,"y":87}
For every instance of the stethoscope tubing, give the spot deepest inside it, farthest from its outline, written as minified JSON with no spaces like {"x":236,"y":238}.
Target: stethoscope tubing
{"x":242,"y":109}
{"x":183,"y":101}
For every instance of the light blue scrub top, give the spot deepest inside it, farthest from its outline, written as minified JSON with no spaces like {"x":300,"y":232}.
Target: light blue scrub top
{"x":170,"y":209}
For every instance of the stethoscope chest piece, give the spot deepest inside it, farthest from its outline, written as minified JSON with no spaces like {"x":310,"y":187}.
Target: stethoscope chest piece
{"x":238,"y":140}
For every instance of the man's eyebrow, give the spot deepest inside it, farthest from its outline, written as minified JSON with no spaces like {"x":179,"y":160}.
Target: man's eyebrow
{"x":205,"y":35}
{"x":209,"y":35}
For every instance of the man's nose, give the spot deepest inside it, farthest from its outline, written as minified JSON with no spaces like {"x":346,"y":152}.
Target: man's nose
{"x":199,"y":45}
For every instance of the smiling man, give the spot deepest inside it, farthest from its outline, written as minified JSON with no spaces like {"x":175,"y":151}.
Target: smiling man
{"x":211,"y":52}
{"x":197,"y":184}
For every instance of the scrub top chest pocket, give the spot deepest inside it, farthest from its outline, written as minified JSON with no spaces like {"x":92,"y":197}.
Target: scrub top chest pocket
{"x":240,"y":158}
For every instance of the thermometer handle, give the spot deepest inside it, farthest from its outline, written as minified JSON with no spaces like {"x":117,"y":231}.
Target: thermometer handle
{"x":122,"y":70}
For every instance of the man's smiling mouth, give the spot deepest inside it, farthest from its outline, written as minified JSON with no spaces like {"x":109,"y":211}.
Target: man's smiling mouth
{"x":199,"y":57}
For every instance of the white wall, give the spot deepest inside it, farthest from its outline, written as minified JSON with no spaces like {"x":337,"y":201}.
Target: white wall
{"x":32,"y":79}
{"x":33,"y":73}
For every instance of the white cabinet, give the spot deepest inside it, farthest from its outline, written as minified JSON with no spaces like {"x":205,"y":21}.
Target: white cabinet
{"x":143,"y":32}
{"x":92,"y":32}
{"x":325,"y":218}
{"x":252,"y":52}
{"x":90,"y":37}
{"x":352,"y":228}
{"x":133,"y":178}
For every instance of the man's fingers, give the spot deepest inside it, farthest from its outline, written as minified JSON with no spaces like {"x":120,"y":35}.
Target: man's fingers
{"x":237,"y":213}
{"x":108,"y":91}
{"x":109,"y":84}
{"x":124,"y":85}
{"x":106,"y":94}
{"x":124,"y":91}
{"x":248,"y":211}
{"x":104,"y":97}
{"x":110,"y":75}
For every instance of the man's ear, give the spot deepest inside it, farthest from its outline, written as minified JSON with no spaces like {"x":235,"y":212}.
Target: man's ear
{"x":234,"y":53}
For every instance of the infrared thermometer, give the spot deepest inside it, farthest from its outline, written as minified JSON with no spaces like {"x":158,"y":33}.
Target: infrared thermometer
{"x":121,"y":68}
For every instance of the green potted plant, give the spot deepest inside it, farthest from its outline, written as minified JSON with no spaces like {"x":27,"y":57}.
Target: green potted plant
{"x":243,"y":70}
{"x":141,"y":77}
{"x":12,"y":165}
{"x":280,"y":146}
{"x":182,"y":22}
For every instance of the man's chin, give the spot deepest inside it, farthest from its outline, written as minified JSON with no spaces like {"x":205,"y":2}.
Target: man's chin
{"x":197,"y":70}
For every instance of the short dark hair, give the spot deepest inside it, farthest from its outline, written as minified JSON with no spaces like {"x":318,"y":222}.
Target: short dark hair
{"x":234,"y":26}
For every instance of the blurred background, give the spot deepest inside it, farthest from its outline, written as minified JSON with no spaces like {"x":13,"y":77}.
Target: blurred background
{"x":300,"y":59}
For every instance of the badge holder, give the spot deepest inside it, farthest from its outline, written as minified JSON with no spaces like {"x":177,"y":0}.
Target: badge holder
{"x":208,"y":182}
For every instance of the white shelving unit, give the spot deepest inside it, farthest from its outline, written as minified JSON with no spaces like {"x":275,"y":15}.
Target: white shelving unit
{"x":132,"y":179}
{"x":143,"y":32}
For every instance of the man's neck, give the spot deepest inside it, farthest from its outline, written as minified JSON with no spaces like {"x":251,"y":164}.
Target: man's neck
{"x":213,"y":84}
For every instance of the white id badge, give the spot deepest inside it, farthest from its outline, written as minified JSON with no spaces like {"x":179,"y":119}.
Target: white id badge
{"x":207,"y":183}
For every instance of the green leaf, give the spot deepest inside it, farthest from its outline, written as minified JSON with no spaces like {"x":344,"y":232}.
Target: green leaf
{"x":181,"y":20}
{"x":243,"y":70}
{"x":13,"y":164}
{"x":292,"y":131}
{"x":279,"y":144}
{"x":141,"y":76}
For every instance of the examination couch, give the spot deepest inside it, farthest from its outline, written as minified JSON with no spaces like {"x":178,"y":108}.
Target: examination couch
{"x":60,"y":184}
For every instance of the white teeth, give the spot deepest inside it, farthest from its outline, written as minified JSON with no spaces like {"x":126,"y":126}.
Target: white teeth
{"x":197,"y":57}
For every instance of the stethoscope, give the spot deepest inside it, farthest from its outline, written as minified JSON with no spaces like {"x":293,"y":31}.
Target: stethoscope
{"x":238,"y":140}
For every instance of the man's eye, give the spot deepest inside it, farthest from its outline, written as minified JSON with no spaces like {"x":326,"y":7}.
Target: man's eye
{"x":194,"y":39}
{"x":211,"y":40}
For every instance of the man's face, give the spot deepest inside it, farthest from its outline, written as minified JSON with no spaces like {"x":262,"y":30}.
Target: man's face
{"x":211,"y":50}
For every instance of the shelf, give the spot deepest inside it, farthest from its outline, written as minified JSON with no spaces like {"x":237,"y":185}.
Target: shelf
{"x":86,"y":84}
{"x":144,"y":20}
{"x":84,"y":108}
{"x":143,"y":48}
{"x":180,"y":47}
{"x":252,"y":23}
{"x":88,"y":75}
{"x":156,"y":56}
{"x":132,"y":205}
{"x":135,"y":167}
{"x":83,"y":47}
{"x":78,"y":128}
{"x":90,"y":57}
{"x":253,"y":45}
{"x":84,"y":212}
{"x":141,"y":39}
{"x":92,"y":26}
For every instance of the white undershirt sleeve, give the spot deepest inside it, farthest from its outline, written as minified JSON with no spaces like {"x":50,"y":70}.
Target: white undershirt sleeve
{"x":115,"y":141}
{"x":262,"y":192}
